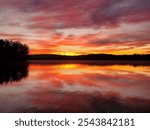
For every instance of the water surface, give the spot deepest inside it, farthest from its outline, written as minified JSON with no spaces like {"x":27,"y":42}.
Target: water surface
{"x":74,"y":87}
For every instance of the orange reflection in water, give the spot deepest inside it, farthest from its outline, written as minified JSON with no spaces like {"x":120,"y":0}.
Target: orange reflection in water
{"x":80,"y":88}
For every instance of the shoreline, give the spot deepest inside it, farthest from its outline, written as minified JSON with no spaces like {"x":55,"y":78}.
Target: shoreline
{"x":87,"y":62}
{"x":92,"y":62}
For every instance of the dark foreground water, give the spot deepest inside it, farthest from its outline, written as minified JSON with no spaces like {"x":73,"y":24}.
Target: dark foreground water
{"x":75,"y":87}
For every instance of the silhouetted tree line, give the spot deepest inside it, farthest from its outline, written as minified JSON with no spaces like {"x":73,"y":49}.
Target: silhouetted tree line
{"x":13,"y":50}
{"x":13,"y":72}
{"x":90,"y":57}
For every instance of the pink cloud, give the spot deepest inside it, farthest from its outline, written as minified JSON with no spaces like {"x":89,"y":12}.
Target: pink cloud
{"x":43,"y":19}
{"x":78,"y":14}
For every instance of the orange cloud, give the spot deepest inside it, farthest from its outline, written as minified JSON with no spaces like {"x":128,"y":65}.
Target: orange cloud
{"x":74,"y":27}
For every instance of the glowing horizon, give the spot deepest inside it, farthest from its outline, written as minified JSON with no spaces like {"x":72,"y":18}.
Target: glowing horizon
{"x":75,"y":27}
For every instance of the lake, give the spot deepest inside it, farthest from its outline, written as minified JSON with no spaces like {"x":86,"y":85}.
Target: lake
{"x":75,"y":86}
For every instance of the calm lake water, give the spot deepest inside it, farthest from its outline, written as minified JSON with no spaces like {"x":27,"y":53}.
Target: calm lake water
{"x":74,"y":87}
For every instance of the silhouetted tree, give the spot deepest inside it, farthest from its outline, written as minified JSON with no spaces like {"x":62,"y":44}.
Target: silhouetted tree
{"x":13,"y":50}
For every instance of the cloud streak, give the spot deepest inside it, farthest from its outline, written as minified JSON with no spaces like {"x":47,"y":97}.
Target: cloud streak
{"x":52,"y":21}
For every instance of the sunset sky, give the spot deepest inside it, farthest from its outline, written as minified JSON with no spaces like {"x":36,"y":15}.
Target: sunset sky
{"x":74,"y":27}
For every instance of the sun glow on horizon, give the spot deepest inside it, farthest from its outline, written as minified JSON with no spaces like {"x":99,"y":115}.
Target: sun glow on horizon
{"x":68,"y":53}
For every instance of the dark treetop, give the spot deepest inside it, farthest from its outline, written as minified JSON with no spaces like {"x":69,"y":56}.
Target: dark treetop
{"x":13,"y":51}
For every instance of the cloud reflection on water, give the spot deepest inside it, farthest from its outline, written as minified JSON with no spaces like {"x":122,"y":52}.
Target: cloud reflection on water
{"x":79,"y":88}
